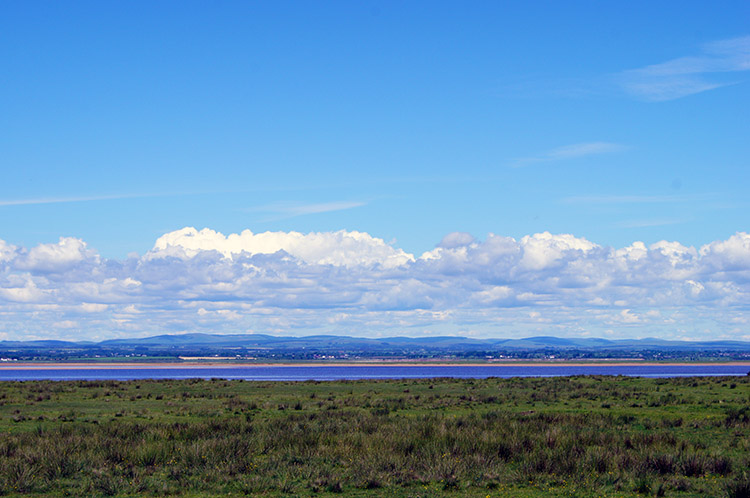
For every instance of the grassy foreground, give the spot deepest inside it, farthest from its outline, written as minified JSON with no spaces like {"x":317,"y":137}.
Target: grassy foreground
{"x":579,"y":436}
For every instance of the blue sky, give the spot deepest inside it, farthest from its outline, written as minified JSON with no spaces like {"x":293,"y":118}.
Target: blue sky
{"x":124,"y":122}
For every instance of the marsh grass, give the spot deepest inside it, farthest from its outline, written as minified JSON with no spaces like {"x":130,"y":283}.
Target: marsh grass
{"x":583,"y":436}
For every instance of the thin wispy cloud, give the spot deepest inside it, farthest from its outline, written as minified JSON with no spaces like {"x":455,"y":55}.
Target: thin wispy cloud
{"x":689,"y":75}
{"x":98,"y":198}
{"x":64,"y":200}
{"x":574,"y":151}
{"x":650,"y":223}
{"x":290,"y":210}
{"x":636,"y":199}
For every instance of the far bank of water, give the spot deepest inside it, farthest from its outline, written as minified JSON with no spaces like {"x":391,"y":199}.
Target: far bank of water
{"x":354,"y":372}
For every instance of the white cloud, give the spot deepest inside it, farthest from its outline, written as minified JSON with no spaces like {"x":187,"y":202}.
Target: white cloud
{"x":340,"y":248}
{"x":7,"y":251}
{"x":685,"y":76}
{"x":544,"y":249}
{"x":62,"y":256}
{"x":675,"y":252}
{"x":93,"y":307}
{"x":65,"y":324}
{"x":695,"y":288}
{"x":28,"y":293}
{"x":495,"y":295}
{"x":353,"y":283}
{"x":627,"y":317}
{"x":732,"y":254}
{"x":633,"y":252}
{"x":457,"y":239}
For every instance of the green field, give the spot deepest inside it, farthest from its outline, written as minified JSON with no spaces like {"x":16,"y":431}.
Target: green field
{"x":579,"y":436}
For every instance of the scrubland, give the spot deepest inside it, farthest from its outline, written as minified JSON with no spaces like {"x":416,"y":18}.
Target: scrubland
{"x":565,"y":436}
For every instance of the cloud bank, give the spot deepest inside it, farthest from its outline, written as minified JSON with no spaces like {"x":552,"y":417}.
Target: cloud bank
{"x":356,"y":284}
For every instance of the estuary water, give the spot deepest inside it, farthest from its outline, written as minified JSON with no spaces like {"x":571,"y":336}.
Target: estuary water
{"x":353,"y":372}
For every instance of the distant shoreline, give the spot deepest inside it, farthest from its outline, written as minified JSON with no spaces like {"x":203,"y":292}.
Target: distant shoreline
{"x":199,"y":365}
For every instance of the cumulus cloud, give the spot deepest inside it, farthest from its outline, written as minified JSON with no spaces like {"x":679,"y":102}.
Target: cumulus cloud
{"x":26,"y":292}
{"x":456,"y":239}
{"x":7,"y":251}
{"x":544,"y":249}
{"x":730,"y":254}
{"x":340,"y":248}
{"x":65,"y":254}
{"x":353,"y":283}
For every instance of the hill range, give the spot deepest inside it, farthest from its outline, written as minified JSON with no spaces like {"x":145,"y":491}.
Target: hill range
{"x":310,"y":347}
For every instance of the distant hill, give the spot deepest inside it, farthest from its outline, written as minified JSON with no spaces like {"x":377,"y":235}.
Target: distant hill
{"x":197,"y":341}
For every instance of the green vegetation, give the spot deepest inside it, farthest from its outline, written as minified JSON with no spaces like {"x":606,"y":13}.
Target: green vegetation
{"x":579,"y":436}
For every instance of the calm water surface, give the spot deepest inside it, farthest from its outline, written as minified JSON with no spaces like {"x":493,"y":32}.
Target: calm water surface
{"x":348,"y":372}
